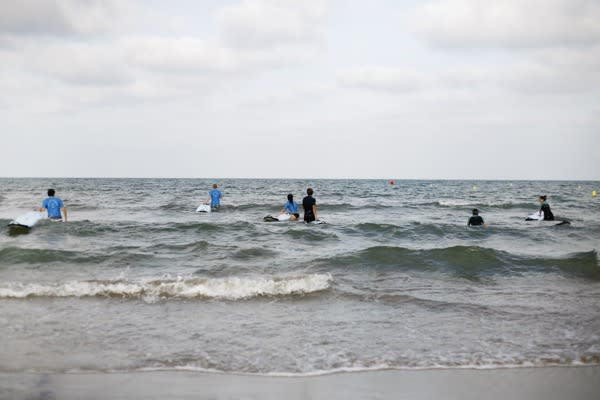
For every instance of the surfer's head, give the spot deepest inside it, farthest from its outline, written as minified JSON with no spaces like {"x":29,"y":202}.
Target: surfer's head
{"x":215,"y":186}
{"x":290,"y":197}
{"x":543,"y":198}
{"x":309,"y":191}
{"x":475,"y":211}
{"x":51,"y":192}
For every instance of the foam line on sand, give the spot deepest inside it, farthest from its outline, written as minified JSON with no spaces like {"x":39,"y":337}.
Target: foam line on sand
{"x":517,"y":383}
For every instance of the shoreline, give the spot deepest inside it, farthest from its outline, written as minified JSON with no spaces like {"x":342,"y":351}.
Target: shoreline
{"x":557,"y":382}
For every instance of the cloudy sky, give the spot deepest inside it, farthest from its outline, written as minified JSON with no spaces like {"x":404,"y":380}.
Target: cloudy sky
{"x":498,"y":89}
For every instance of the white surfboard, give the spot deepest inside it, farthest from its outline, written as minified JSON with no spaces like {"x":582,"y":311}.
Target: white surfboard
{"x":284,"y":217}
{"x":203,"y":208}
{"x":535,"y":217}
{"x":27,"y":220}
{"x":318,"y":222}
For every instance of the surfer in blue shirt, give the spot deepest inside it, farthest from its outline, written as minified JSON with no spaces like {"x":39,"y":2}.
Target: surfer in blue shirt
{"x":291,"y":207}
{"x":214,"y":197}
{"x":55,"y":206}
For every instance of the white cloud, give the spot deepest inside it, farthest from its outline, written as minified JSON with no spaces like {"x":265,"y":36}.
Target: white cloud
{"x":307,"y":93}
{"x":156,"y":78}
{"x":62,"y":42}
{"x":180,"y":54}
{"x":560,"y":71}
{"x":198,"y":56}
{"x":509,"y":23}
{"x":272,"y":23}
{"x":383,"y":79}
{"x":80,"y":63}
{"x":58,"y":17}
{"x":542,"y":77}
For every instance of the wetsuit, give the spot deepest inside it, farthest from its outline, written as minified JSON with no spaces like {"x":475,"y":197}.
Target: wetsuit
{"x":308,"y":202}
{"x":548,"y":216}
{"x":475,"y":220}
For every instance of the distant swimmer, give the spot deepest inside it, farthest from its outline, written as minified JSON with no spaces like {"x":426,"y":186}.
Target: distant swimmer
{"x":214,"y":197}
{"x":476,"y":219}
{"x":291,"y":208}
{"x":55,"y":206}
{"x":310,"y":206}
{"x":545,"y":208}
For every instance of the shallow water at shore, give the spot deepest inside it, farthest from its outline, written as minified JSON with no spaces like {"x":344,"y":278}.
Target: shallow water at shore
{"x":461,"y":384}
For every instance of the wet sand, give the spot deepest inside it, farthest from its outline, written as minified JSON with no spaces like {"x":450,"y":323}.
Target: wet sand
{"x":520,"y":383}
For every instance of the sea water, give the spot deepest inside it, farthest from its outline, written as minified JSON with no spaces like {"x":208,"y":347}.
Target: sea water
{"x":137,"y":281}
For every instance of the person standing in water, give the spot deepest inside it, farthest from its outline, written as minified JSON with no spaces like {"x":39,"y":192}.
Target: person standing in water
{"x":310,"y":206}
{"x":214,"y":197}
{"x":55,"y":206}
{"x":545,"y":208}
{"x":291,"y":207}
{"x":475,"y":219}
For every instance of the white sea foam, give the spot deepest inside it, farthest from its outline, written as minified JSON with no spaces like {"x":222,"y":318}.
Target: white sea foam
{"x":232,"y":288}
{"x":455,"y":203}
{"x":419,"y":366}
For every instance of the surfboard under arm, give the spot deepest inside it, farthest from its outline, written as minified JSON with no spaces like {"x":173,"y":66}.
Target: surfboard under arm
{"x":27,"y":220}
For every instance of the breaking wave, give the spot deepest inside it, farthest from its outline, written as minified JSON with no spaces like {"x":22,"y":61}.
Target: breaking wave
{"x":232,"y":288}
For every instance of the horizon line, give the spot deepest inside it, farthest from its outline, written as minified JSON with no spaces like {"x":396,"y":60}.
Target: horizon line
{"x":313,"y":178}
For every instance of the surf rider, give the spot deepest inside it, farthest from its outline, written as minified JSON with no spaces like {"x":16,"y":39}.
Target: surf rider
{"x":310,"y":206}
{"x":291,"y":207}
{"x":55,"y":206}
{"x":545,"y":208}
{"x":214,"y":197}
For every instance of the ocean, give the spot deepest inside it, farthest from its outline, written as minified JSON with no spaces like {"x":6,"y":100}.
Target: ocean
{"x":136,"y":280}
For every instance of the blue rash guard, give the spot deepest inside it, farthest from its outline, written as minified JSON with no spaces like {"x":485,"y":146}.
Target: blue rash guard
{"x":215,"y":198}
{"x":291,"y":207}
{"x":53,"y":205}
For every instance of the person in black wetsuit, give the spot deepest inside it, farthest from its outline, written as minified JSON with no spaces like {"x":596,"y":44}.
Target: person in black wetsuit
{"x":475,"y":219}
{"x":310,"y":206}
{"x":545,"y":208}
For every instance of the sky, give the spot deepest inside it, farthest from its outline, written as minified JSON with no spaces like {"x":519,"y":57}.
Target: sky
{"x":431,"y":89}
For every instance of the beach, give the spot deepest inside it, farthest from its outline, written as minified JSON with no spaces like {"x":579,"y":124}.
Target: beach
{"x":498,"y":384}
